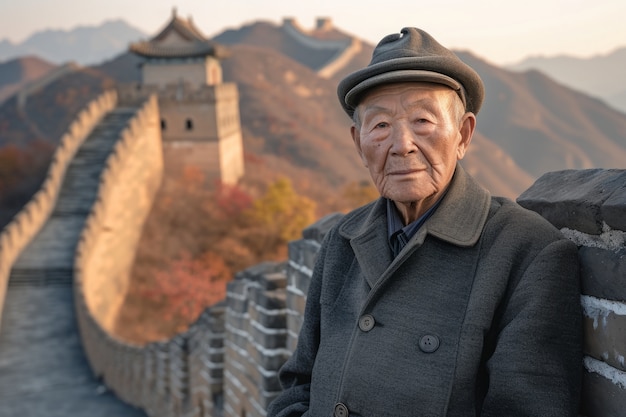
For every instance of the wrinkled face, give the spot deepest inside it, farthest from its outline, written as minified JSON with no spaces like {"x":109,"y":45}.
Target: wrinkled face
{"x":410,"y":136}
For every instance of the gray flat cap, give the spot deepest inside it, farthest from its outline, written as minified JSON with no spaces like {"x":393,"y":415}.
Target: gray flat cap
{"x":412,"y":55}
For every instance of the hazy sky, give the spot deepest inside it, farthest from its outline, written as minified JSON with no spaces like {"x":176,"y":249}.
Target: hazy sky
{"x":501,"y":31}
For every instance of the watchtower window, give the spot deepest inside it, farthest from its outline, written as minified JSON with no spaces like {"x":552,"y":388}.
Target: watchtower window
{"x":189,"y":124}
{"x":163,"y":124}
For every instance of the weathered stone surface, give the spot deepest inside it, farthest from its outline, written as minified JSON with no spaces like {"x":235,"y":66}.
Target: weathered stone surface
{"x":299,"y":280}
{"x":296,"y":302}
{"x":269,"y":300}
{"x":272,"y":340}
{"x":303,"y":253}
{"x":277,"y":319}
{"x":601,"y":397}
{"x":573,"y":198}
{"x":605,"y":338}
{"x":603,"y":273}
{"x":273,"y":280}
{"x":318,"y":230}
{"x":614,"y":208}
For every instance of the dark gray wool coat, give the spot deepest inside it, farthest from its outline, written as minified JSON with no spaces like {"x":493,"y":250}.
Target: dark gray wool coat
{"x":479,"y":315}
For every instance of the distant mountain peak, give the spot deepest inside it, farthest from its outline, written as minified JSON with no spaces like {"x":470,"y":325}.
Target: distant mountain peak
{"x":85,"y":44}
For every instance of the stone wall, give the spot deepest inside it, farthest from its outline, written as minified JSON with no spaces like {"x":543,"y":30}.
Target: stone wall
{"x":27,"y":223}
{"x":345,"y":49}
{"x":126,"y":189}
{"x":177,"y":377}
{"x":589,"y":207}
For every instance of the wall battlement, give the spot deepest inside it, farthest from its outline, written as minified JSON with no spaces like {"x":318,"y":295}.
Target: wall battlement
{"x":131,"y":94}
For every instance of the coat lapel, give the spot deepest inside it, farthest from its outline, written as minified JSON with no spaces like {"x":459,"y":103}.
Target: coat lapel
{"x":370,"y":244}
{"x":459,"y":220}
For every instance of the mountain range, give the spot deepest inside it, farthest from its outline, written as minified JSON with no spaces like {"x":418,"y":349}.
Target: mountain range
{"x":293,"y":125}
{"x":600,"y":76}
{"x":86,"y":45}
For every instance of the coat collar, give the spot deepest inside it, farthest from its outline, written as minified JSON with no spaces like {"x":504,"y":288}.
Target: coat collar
{"x":458,"y":220}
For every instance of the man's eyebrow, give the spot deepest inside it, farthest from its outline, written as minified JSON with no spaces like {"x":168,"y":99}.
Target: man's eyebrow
{"x":375,"y":108}
{"x":426,"y":103}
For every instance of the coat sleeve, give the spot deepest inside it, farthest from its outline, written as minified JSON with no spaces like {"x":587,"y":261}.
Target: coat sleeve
{"x":295,"y":374}
{"x":536,"y":365}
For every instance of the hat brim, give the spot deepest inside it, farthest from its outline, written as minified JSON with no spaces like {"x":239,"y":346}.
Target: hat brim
{"x":354,"y":95}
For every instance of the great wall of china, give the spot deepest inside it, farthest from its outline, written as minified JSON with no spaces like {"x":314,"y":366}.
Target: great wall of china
{"x":65,"y":261}
{"x":345,"y":49}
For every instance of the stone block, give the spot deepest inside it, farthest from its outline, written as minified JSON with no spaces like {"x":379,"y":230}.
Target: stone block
{"x":238,"y":339}
{"x":237,"y":320}
{"x":573,"y":198}
{"x":300,"y":280}
{"x":603,"y":273}
{"x":269,"y":300}
{"x":292,"y":343}
{"x":614,"y":209}
{"x":269,"y":338}
{"x":303,"y":252}
{"x":273,"y":280}
{"x":318,"y":230}
{"x":274,"y":319}
{"x":294,"y":323}
{"x":296,"y":302}
{"x":257,"y":270}
{"x":601,"y":397}
{"x":270,"y":360}
{"x":605,"y":334}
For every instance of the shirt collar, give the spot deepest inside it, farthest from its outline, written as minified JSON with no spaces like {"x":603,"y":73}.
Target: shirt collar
{"x":394,"y":220}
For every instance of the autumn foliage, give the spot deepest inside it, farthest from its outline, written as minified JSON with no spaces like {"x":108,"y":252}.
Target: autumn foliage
{"x":22,"y":170}
{"x":197,"y":236}
{"x":188,"y":286}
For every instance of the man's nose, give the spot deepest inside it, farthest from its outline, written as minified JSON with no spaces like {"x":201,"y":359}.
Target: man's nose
{"x":403,"y":140}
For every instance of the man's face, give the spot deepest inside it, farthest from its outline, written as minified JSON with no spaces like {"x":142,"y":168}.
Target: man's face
{"x":410,"y":136}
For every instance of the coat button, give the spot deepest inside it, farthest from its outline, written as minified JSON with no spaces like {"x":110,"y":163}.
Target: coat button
{"x":366,"y":322}
{"x":340,"y":410}
{"x":429,"y":343}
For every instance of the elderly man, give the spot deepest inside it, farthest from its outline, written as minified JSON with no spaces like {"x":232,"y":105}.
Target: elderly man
{"x":437,"y":299}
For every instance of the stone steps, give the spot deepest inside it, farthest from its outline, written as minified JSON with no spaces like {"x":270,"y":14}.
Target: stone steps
{"x":43,"y":368}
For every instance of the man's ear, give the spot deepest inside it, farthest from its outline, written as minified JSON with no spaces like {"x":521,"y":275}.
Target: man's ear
{"x":466,"y":130}
{"x":356,"y":138}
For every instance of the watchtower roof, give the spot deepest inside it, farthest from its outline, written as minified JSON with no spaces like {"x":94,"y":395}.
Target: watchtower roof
{"x":180,"y":38}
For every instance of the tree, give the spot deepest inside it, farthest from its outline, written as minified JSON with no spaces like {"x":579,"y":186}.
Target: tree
{"x":187,"y":287}
{"x":356,"y":194}
{"x":282,"y":212}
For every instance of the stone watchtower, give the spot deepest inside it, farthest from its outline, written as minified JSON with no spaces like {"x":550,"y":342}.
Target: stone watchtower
{"x":200,"y":122}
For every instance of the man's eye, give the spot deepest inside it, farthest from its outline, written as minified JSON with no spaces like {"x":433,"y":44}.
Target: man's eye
{"x":381,"y":125}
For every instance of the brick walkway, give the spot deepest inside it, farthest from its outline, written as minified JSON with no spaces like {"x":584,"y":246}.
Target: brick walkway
{"x":43,"y":369}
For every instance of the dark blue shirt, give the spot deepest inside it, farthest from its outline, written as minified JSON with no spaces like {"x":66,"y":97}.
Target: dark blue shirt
{"x":399,"y":234}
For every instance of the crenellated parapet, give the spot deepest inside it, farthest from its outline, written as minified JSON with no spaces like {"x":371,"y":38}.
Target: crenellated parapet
{"x":127,"y":185}
{"x":255,"y":340}
{"x":27,"y":223}
{"x":134,"y":93}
